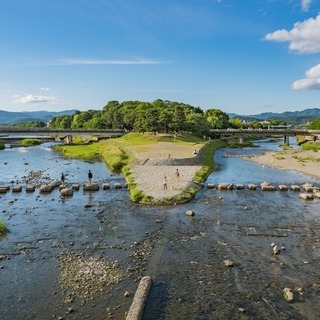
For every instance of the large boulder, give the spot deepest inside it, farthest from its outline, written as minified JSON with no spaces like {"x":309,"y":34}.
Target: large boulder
{"x":265,"y":186}
{"x":66,"y":192}
{"x":306,"y":196}
{"x":225,"y":186}
{"x":91,"y":187}
{"x":46,"y":188}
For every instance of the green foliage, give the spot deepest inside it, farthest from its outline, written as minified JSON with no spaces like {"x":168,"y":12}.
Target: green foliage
{"x":2,"y":146}
{"x":31,"y":124}
{"x":208,"y":160}
{"x":311,"y":146}
{"x":158,"y":116}
{"x":314,"y":125}
{"x":30,"y":142}
{"x":136,"y":195}
{"x":3,"y":228}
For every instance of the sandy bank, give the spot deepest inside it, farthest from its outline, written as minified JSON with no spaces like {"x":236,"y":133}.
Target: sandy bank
{"x":307,"y":162}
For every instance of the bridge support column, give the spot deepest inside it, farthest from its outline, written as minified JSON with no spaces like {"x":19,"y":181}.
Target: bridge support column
{"x":286,"y":139}
{"x":69,"y":139}
{"x":240,"y":139}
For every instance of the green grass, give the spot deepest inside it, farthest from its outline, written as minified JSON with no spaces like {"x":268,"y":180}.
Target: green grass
{"x":207,"y":154}
{"x":306,"y":159}
{"x":3,"y":228}
{"x":2,"y":146}
{"x":30,"y":142}
{"x":311,"y":146}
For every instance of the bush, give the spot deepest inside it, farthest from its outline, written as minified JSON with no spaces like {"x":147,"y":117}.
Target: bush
{"x":30,"y":142}
{"x":2,"y":146}
{"x":3,"y":228}
{"x":136,"y":195}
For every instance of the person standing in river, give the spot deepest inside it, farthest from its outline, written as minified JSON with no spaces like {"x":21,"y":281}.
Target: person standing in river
{"x":62,"y":178}
{"x":89,"y":176}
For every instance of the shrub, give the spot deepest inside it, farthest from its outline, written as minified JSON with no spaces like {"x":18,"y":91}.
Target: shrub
{"x":30,"y":142}
{"x":3,"y":228}
{"x":136,"y":195}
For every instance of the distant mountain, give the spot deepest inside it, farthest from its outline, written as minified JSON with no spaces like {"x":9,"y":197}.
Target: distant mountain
{"x":290,"y":117}
{"x":7,"y":117}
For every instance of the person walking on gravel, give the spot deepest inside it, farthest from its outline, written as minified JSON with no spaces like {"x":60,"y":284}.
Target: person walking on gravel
{"x":165,"y":183}
{"x":177,"y":175}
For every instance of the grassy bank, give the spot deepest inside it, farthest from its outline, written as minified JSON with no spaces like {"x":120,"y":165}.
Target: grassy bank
{"x":30,"y":142}
{"x":121,"y":153}
{"x":3,"y":228}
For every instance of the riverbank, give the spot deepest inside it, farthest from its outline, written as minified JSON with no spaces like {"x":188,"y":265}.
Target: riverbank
{"x":304,"y":161}
{"x":146,"y":159}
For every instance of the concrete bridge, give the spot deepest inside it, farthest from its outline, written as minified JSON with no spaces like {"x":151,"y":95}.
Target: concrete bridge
{"x":48,"y":133}
{"x":286,"y":133}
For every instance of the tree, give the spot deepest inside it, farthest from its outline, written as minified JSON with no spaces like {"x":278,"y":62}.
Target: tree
{"x":216,"y":118}
{"x":314,"y":125}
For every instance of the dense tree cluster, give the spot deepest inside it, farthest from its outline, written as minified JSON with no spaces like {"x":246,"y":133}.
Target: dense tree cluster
{"x":158,"y":116}
{"x":314,"y":125}
{"x":31,"y":124}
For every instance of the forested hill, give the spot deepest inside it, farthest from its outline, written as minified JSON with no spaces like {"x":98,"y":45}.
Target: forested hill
{"x":7,"y":117}
{"x":290,"y":117}
{"x":156,"y":116}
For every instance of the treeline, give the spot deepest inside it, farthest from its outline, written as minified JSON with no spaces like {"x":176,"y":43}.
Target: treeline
{"x":158,"y":116}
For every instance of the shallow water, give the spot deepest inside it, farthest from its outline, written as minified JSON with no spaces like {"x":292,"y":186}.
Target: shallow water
{"x":184,"y":255}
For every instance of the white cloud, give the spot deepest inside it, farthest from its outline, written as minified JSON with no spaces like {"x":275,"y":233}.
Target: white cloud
{"x":305,"y":4}
{"x":45,"y":89}
{"x":29,"y":98}
{"x":303,"y":38}
{"x":311,"y":80}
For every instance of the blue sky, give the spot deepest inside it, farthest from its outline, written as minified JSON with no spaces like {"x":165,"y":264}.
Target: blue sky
{"x":241,"y":56}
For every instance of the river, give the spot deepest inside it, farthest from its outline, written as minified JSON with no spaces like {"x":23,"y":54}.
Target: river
{"x":183,"y":255}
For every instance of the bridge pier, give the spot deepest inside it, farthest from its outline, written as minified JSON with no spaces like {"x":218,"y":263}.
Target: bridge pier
{"x":286,"y":140}
{"x":69,"y":139}
{"x":240,"y":139}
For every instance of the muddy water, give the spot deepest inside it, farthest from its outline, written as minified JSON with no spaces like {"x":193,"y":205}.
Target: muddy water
{"x":184,"y":255}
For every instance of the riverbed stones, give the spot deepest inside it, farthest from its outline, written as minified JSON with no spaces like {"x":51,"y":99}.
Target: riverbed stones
{"x":288,"y":294}
{"x":63,"y":186}
{"x":252,"y":186}
{"x":317,"y":195}
{"x":225,"y":186}
{"x":66,"y":192}
{"x":91,"y":187}
{"x":210,"y":186}
{"x":16,"y":188}
{"x":190,"y":213}
{"x":306,"y":196}
{"x":266,"y":186}
{"x":76,"y":186}
{"x":106,"y":186}
{"x":3,"y":189}
{"x":30,"y":188}
{"x":308,"y":187}
{"x":228,"y":263}
{"x":239,"y":186}
{"x":283,"y":187}
{"x":117,"y":185}
{"x":46,"y":188}
{"x":276,"y":250}
{"x":295,"y":187}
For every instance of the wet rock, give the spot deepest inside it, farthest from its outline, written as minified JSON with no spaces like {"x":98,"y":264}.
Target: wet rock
{"x":265,"y":186}
{"x":66,"y":192}
{"x":88,"y":205}
{"x":276,"y":250}
{"x":239,"y":186}
{"x":126,"y":294}
{"x":306,"y":196}
{"x":252,"y":186}
{"x":190,"y":213}
{"x":228,"y":263}
{"x":210,"y":186}
{"x":288,"y":294}
{"x":283,"y":187}
{"x":295,"y":187}
{"x":225,"y":186}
